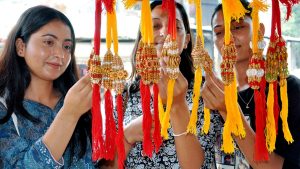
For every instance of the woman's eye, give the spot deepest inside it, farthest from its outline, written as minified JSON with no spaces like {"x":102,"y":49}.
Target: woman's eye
{"x":179,"y":27}
{"x":237,"y":27}
{"x":156,"y":26}
{"x":218,"y":33}
{"x":68,"y":47}
{"x":49,"y":42}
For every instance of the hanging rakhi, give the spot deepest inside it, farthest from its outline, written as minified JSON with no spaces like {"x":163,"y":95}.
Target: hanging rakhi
{"x":276,"y":65}
{"x":170,"y":51}
{"x":110,"y":126}
{"x":118,"y":76}
{"x":232,"y":9}
{"x":147,"y":65}
{"x":201,"y":59}
{"x":94,"y":67}
{"x":257,"y":81}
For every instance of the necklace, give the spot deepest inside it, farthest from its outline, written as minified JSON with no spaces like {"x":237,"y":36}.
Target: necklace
{"x":247,"y":104}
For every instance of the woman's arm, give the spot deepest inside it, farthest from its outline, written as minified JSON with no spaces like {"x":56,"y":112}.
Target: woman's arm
{"x":76,"y":103}
{"x":214,"y":99}
{"x":188,"y":148}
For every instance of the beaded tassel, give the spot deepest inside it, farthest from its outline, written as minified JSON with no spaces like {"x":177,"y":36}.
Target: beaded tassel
{"x":257,"y":81}
{"x":232,"y":10}
{"x":94,"y":67}
{"x":201,"y":60}
{"x":147,"y":66}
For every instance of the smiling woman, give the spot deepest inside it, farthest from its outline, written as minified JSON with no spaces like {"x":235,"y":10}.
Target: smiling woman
{"x":43,"y":119}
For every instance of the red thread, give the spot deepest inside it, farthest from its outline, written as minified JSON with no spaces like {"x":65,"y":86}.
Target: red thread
{"x":120,"y":137}
{"x":157,"y":135}
{"x":147,"y":119}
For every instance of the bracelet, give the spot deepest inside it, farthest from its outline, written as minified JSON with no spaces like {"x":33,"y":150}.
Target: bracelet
{"x":180,"y":134}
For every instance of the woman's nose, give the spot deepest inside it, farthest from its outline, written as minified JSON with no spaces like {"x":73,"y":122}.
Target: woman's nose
{"x":58,"y":52}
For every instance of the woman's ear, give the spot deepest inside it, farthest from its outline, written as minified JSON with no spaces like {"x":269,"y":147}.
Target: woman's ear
{"x":20,"y":47}
{"x":262,"y":28}
{"x":187,"y":40}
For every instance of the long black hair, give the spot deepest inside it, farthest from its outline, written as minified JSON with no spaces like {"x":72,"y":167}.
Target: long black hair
{"x":15,"y":76}
{"x":186,"y":65}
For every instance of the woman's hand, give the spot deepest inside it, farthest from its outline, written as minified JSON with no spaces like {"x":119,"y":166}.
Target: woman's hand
{"x":180,"y":87}
{"x":212,"y":93}
{"x":79,"y":98}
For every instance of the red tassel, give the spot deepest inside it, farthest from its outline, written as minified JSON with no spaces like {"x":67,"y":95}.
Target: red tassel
{"x":120,"y":138}
{"x":289,"y":4}
{"x":109,"y":5}
{"x":110,"y":130}
{"x":157,"y":136}
{"x":261,"y":152}
{"x":169,"y":5}
{"x":147,"y":119}
{"x":97,"y":139}
{"x":276,"y":106}
{"x":97,"y":32}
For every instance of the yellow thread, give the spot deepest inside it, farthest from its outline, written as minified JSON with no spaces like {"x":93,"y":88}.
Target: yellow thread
{"x":284,"y":112}
{"x":270,"y":122}
{"x":129,"y":3}
{"x":193,"y":118}
{"x":206,"y":124}
{"x":166,"y":119}
{"x":256,"y":5}
{"x":232,"y":9}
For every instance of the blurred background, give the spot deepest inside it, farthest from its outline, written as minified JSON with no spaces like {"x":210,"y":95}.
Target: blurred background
{"x":81,"y":14}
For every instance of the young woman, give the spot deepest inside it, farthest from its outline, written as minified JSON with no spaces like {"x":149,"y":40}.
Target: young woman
{"x":285,"y":155}
{"x":42,"y":111}
{"x":184,"y":151}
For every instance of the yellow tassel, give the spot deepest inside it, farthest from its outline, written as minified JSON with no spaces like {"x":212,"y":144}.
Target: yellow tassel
{"x":256,"y":5}
{"x":108,"y":30}
{"x":146,"y":23}
{"x":237,"y":118}
{"x":198,"y":7}
{"x":166,"y":119}
{"x":114,"y":31}
{"x":284,"y":112}
{"x":232,"y":9}
{"x":206,"y":124}
{"x":193,"y":119}
{"x":228,"y":145}
{"x":270,"y":122}
{"x":129,"y":3}
{"x":234,"y":123}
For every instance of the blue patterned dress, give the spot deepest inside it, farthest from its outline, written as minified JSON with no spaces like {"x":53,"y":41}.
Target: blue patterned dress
{"x":28,"y":150}
{"x":167,"y":157}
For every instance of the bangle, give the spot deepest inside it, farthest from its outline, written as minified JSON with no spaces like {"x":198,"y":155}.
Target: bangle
{"x":180,"y":134}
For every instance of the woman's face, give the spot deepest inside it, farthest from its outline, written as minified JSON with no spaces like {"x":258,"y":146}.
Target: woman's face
{"x":241,"y":32}
{"x":160,"y":29}
{"x":48,"y":51}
